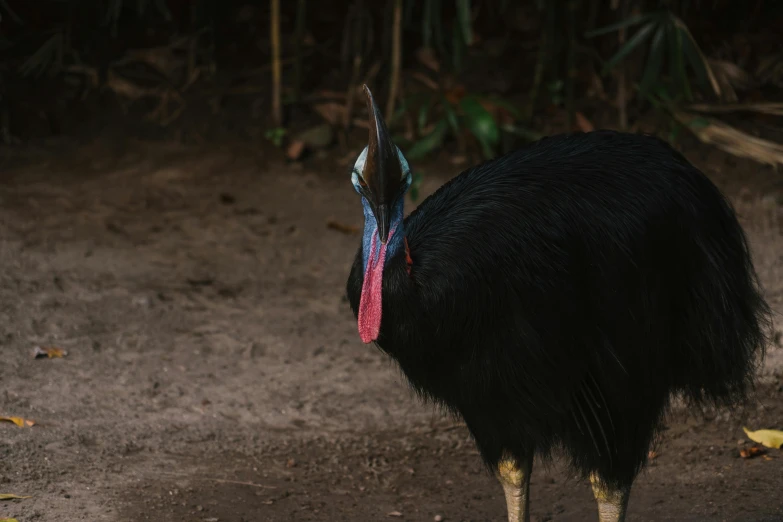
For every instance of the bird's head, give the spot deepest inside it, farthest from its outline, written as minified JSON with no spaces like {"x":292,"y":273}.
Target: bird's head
{"x":381,"y":174}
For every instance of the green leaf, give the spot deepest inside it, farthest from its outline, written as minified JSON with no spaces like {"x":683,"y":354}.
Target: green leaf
{"x":451,"y":115}
{"x":662,"y":92}
{"x":423,"y":113}
{"x":463,"y":18}
{"x":481,"y":124}
{"x":699,"y":123}
{"x":635,"y":41}
{"x":633,"y":20}
{"x":276,"y":135}
{"x":429,"y":142}
{"x":679,"y":75}
{"x":46,"y":59}
{"x":406,"y":103}
{"x":654,"y":60}
{"x":696,"y":61}
{"x":416,"y":180}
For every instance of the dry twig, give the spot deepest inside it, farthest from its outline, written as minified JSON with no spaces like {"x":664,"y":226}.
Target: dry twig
{"x":731,"y":140}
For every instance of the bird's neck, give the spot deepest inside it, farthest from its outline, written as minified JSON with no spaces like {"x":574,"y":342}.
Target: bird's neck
{"x":370,"y":240}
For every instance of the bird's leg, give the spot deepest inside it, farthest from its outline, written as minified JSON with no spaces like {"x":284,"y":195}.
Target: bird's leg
{"x":515,"y":478}
{"x":612,"y":502}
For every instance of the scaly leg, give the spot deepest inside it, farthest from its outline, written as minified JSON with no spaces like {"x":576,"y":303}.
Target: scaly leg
{"x":515,"y":478}
{"x":612,"y":503}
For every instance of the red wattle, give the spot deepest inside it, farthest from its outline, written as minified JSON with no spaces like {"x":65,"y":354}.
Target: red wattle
{"x":370,"y":302}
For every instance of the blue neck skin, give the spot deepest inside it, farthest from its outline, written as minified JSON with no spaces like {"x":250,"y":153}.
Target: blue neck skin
{"x":395,"y":241}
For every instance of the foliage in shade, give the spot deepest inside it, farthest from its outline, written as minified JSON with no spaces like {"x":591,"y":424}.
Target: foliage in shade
{"x":663,"y":32}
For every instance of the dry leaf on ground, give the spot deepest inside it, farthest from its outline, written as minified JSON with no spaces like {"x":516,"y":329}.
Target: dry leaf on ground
{"x":753,"y":451}
{"x":295,"y":150}
{"x":340,"y":227}
{"x":11,"y":496}
{"x":19,"y":421}
{"x":48,"y":351}
{"x":8,"y":520}
{"x":769,"y":438}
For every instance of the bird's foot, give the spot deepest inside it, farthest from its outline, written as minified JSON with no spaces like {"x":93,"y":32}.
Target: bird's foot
{"x":514,"y":476}
{"x":612,"y":502}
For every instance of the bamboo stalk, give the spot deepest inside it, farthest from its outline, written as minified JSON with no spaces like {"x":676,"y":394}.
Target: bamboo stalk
{"x":192,"y":44}
{"x":622,"y":94}
{"x":277,"y":69}
{"x":395,"y":58}
{"x":571,"y":65}
{"x":301,"y":6}
{"x":538,"y":71}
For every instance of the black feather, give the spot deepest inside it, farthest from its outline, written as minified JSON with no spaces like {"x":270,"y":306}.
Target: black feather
{"x":562,"y":293}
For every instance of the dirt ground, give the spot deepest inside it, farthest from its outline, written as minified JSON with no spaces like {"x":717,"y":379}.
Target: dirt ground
{"x":215,"y":374}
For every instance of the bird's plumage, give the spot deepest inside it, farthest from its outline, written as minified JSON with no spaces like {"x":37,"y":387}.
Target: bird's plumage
{"x":560,"y":294}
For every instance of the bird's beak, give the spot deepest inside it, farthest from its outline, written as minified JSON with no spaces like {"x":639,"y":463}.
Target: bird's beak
{"x":382,"y":169}
{"x":383,"y":218}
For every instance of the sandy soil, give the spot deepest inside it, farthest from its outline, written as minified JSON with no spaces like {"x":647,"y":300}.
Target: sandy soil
{"x":214,"y":370}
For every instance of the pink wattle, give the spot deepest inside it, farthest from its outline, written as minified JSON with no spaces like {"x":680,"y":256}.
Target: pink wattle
{"x":370,"y":302}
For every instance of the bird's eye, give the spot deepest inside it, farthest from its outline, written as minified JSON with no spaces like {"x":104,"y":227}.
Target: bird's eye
{"x":362,"y":183}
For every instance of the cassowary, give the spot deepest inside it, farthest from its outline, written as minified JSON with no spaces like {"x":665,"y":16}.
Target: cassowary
{"x":557,"y":297}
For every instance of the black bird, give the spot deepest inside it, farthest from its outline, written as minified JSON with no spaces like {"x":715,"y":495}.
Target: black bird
{"x":557,"y":297}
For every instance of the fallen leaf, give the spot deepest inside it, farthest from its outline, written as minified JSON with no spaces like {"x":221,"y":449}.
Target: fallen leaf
{"x":51,"y":352}
{"x":426,"y":80}
{"x":332,"y":112}
{"x":10,"y":496}
{"x":769,"y":438}
{"x":19,"y":421}
{"x":8,"y":520}
{"x":753,"y":451}
{"x":295,"y":150}
{"x":345,"y":229}
{"x":583,"y":123}
{"x":455,"y":95}
{"x":394,"y":514}
{"x":318,"y":137}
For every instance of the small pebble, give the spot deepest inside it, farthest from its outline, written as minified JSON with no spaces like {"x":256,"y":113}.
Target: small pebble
{"x":438,"y":518}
